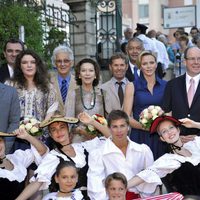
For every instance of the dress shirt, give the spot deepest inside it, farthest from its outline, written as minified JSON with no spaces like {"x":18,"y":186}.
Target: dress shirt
{"x":11,"y":71}
{"x":60,"y":79}
{"x":133,"y":67}
{"x":196,"y":80}
{"x":149,"y":44}
{"x":109,"y":159}
{"x":124,"y":80}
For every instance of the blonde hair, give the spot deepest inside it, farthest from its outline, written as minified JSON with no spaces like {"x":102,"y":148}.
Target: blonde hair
{"x":145,"y":53}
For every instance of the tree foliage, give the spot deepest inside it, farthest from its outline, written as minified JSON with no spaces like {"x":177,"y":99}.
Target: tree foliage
{"x":12,"y":16}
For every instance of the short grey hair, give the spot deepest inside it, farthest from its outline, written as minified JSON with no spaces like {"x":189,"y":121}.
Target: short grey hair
{"x":62,"y":49}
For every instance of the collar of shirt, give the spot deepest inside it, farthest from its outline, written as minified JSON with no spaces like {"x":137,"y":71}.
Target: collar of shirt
{"x":60,"y":79}
{"x":110,"y":147}
{"x":132,"y":66}
{"x":11,"y":71}
{"x":144,"y":81}
{"x":124,"y":80}
{"x":196,"y":80}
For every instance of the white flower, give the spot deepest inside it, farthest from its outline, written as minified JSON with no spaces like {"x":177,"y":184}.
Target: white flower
{"x":158,"y":108}
{"x":146,"y":115}
{"x":143,"y":121}
{"x":28,"y":126}
{"x":154,"y":117}
{"x":151,"y":107}
{"x":33,"y":121}
{"x":154,"y":112}
{"x":22,"y":126}
{"x":91,"y":128}
{"x":34,"y":129}
{"x":145,"y":111}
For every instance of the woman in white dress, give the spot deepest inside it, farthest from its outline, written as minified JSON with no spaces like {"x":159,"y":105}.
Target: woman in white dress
{"x":64,"y":150}
{"x":181,"y":165}
{"x":13,"y":167}
{"x":66,"y":178}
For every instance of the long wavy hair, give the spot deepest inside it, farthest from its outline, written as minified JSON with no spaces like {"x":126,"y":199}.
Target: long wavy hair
{"x":41,"y":78}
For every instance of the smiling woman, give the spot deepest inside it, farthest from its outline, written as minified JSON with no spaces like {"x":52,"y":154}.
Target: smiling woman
{"x":147,"y":90}
{"x":36,"y":94}
{"x":87,"y":97}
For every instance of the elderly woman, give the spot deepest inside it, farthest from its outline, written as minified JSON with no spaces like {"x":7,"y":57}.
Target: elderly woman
{"x":13,"y":167}
{"x":36,"y":95}
{"x":181,"y":164}
{"x":87,"y":97}
{"x":64,"y":150}
{"x":147,"y":90}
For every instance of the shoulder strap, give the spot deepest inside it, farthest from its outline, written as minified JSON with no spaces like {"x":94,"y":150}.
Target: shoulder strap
{"x":103,"y":101}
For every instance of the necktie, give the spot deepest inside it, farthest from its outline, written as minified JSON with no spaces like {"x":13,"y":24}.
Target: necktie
{"x":64,"y":90}
{"x":120,"y":93}
{"x":191,"y":91}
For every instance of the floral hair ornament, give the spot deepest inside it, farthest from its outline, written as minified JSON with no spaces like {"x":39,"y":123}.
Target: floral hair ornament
{"x":158,"y":120}
{"x":58,"y":118}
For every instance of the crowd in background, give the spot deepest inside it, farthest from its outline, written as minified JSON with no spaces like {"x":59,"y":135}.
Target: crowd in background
{"x":65,"y":98}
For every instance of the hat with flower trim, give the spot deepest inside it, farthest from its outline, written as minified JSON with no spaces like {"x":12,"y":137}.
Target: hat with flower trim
{"x":58,"y":118}
{"x":158,"y":120}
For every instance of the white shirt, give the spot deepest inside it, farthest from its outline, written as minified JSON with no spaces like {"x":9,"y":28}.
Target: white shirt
{"x":109,"y":159}
{"x":47,"y":168}
{"x":76,"y":195}
{"x":162,"y":56}
{"x":167,"y":163}
{"x":196,"y":81}
{"x":11,"y":71}
{"x":21,"y":161}
{"x":148,"y":43}
{"x":132,"y":66}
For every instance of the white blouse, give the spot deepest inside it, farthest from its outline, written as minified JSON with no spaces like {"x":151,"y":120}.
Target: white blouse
{"x":109,"y":159}
{"x":21,"y":161}
{"x":76,"y":195}
{"x":168,"y":163}
{"x":47,"y":168}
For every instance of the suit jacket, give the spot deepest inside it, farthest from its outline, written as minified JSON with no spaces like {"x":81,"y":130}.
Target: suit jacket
{"x":175,"y":100}
{"x":4,"y":73}
{"x":129,"y":75}
{"x":111,"y":99}
{"x":72,"y":86}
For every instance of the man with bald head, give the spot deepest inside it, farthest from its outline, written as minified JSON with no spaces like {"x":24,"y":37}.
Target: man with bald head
{"x":182,"y":94}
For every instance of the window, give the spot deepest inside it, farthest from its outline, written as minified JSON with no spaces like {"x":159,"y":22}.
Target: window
{"x":143,"y":11}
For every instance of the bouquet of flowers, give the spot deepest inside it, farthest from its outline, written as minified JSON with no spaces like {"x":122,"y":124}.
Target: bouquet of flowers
{"x":149,"y":114}
{"x":31,"y":125}
{"x":91,"y":129}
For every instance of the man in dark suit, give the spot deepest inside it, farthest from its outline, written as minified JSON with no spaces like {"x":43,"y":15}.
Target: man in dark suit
{"x":10,"y":112}
{"x":133,"y":49}
{"x":176,"y":97}
{"x":11,"y":49}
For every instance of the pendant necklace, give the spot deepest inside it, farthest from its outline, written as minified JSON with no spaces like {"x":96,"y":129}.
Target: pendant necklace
{"x":92,"y":102}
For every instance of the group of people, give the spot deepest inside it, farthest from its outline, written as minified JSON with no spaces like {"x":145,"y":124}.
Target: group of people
{"x":69,"y":162}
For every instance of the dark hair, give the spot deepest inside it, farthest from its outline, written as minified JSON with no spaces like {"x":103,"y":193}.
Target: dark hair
{"x":116,"y":176}
{"x":54,"y":187}
{"x":13,"y":40}
{"x":78,"y":69}
{"x":41,"y":78}
{"x":194,"y":28}
{"x":118,"y":55}
{"x":115,"y":115}
{"x":184,"y":38}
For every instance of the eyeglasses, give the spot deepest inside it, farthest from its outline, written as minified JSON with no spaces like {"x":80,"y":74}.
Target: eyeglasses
{"x":166,"y":131}
{"x":65,"y":61}
{"x":193,"y":59}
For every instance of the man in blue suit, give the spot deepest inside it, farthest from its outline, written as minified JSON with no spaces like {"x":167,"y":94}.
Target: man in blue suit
{"x":176,"y":93}
{"x":9,"y":112}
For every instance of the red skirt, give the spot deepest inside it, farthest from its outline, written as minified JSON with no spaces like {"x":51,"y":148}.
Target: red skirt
{"x":131,"y":195}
